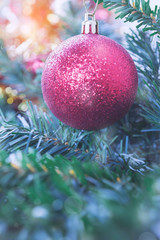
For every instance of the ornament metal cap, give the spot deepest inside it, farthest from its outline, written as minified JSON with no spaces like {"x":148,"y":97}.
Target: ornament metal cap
{"x":90,"y":25}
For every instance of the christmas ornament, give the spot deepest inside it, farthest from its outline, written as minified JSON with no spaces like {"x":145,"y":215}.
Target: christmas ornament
{"x":90,"y":81}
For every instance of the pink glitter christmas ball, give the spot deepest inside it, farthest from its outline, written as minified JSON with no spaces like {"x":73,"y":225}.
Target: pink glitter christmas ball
{"x":89,"y":82}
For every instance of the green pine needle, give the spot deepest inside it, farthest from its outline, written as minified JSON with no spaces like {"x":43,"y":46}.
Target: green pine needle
{"x":139,"y":11}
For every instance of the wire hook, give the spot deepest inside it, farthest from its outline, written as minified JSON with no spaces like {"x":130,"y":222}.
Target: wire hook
{"x":90,"y":14}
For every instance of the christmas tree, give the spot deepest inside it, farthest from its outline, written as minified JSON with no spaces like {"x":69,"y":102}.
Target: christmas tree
{"x":57,"y":182}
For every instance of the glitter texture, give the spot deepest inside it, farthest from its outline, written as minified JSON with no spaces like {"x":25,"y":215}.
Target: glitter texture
{"x":89,"y":82}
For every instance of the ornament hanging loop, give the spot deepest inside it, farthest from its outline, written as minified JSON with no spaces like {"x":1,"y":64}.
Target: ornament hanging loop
{"x":90,"y":25}
{"x":90,"y":14}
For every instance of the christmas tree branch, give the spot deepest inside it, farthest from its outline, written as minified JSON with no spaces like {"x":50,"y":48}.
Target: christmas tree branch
{"x":146,"y":54}
{"x":138,"y":10}
{"x":41,"y":192}
{"x":37,"y":130}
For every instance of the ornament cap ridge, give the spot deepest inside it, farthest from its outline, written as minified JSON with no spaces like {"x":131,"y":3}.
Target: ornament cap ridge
{"x":89,"y":25}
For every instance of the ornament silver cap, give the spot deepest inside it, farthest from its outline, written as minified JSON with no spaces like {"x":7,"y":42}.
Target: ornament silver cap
{"x":90,"y":25}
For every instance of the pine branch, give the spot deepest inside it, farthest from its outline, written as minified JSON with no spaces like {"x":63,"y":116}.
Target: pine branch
{"x":40,"y":193}
{"x":43,"y":133}
{"x":39,"y":131}
{"x":139,"y":11}
{"x":147,"y":57}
